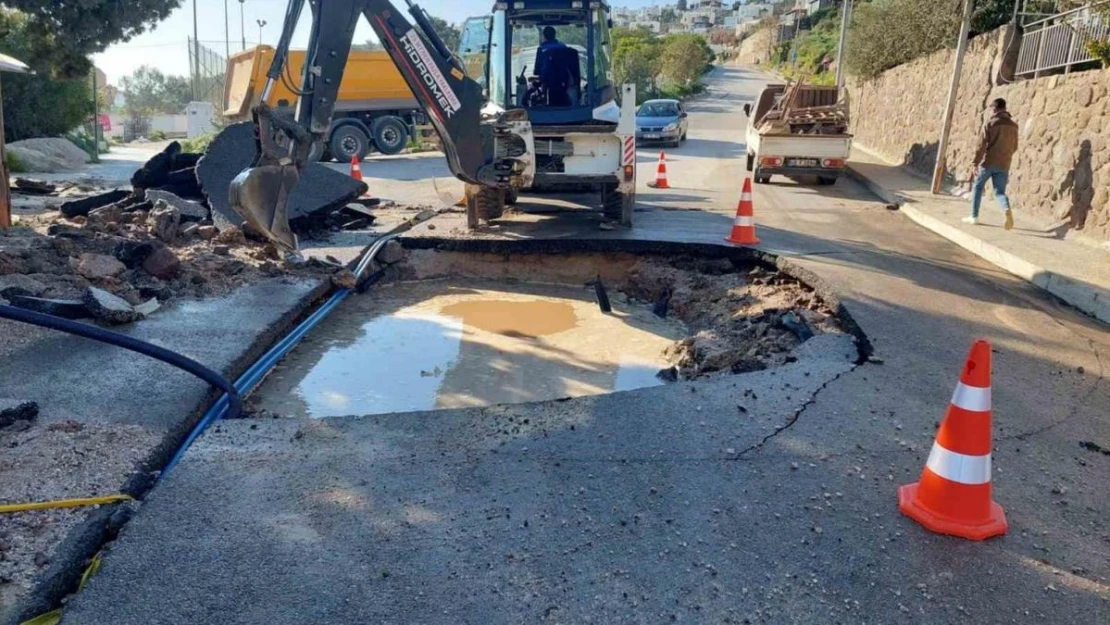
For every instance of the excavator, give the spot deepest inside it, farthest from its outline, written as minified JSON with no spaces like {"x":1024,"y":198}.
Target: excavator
{"x":488,"y":147}
{"x":496,"y":139}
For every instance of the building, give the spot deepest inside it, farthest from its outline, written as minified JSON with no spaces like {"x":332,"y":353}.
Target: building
{"x":747,"y":12}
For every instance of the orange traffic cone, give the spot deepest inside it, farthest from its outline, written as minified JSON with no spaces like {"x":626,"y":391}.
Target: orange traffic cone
{"x":954,"y":494}
{"x":660,"y":173}
{"x":356,"y":169}
{"x":743,"y":227}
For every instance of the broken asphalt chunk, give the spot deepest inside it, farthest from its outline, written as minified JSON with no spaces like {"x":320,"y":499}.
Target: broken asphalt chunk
{"x":74,"y":208}
{"x":188,"y":209}
{"x":107,"y":307}
{"x":12,"y":410}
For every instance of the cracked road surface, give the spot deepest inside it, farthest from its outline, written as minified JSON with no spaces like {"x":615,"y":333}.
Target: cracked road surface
{"x":633,"y":507}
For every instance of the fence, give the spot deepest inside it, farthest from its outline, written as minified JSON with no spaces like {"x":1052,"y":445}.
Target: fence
{"x":207,"y":69}
{"x":1060,"y":41}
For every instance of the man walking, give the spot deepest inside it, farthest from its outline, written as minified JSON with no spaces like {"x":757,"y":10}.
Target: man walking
{"x":992,"y":161}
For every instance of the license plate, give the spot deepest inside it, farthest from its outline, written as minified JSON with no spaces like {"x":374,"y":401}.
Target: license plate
{"x":801,"y":162}
{"x":650,"y":135}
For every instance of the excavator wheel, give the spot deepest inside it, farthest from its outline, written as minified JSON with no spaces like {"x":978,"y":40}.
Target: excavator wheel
{"x":483,"y":203}
{"x":612,"y":201}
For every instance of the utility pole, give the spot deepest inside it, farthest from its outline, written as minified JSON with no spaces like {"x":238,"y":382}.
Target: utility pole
{"x":196,"y":55}
{"x":5,"y":191}
{"x":260,"y":23}
{"x":227,"y":36}
{"x":845,"y":19}
{"x":96,"y":120}
{"x":242,"y":24}
{"x":953,"y":89}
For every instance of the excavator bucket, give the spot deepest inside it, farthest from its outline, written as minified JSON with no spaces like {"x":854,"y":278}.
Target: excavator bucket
{"x":261,"y":196}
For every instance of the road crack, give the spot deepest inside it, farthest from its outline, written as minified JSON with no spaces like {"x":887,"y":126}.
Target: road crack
{"x":794,"y":417}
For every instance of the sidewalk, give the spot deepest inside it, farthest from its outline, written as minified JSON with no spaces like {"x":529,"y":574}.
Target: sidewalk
{"x":1074,"y":271}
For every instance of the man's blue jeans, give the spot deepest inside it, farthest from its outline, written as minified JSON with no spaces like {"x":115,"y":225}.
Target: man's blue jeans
{"x":998,"y":178}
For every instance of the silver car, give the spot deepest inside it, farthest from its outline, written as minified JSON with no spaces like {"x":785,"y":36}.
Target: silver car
{"x":661,"y":120}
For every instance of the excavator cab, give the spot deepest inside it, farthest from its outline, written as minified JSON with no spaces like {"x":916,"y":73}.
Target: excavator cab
{"x":550,"y":57}
{"x":551,"y":61}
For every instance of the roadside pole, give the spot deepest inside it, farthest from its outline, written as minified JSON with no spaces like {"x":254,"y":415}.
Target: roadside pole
{"x":5,"y":192}
{"x":96,"y":120}
{"x":242,"y":25}
{"x":953,"y":89}
{"x":845,"y":19}
{"x":196,"y":56}
{"x":14,"y":66}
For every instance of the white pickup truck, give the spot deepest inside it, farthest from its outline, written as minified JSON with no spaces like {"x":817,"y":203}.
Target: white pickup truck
{"x":806,"y":137}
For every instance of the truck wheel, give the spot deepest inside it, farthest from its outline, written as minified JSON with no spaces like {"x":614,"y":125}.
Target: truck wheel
{"x":390,"y":134}
{"x":488,"y":203}
{"x":826,"y":180}
{"x":751,"y":161}
{"x":348,"y":141}
{"x":612,"y":201}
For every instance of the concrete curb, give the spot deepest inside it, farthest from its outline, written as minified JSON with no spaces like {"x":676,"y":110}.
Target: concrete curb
{"x":1091,"y":299}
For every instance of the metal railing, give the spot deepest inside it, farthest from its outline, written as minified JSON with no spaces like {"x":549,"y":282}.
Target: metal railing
{"x":1060,"y":41}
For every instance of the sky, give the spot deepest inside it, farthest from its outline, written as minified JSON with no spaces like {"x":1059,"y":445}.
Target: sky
{"x":166,"y":46}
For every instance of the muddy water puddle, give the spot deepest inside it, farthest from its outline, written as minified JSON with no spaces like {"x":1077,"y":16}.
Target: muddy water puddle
{"x":437,"y":344}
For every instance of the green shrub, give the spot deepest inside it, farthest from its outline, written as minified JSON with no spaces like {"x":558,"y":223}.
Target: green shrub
{"x":37,"y":105}
{"x":157,"y":135}
{"x":14,"y":165}
{"x":888,"y":33}
{"x":197,"y":144}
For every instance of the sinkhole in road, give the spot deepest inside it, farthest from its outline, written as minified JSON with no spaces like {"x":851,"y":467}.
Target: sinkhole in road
{"x":459,"y":329}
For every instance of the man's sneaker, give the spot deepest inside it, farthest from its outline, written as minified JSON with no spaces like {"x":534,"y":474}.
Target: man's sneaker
{"x":1009,"y":225}
{"x":971,"y":220}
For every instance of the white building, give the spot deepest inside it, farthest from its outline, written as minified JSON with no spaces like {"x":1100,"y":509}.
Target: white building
{"x":753,"y":11}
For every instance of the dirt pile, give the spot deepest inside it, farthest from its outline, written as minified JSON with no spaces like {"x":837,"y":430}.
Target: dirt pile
{"x":742,"y":319}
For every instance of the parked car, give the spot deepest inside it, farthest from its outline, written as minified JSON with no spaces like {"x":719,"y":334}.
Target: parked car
{"x":661,"y":120}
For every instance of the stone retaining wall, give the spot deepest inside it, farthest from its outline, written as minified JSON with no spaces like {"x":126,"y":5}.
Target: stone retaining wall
{"x":1062,"y":168}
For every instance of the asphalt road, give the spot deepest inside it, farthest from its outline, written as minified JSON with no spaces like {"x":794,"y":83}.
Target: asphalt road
{"x":630,"y":508}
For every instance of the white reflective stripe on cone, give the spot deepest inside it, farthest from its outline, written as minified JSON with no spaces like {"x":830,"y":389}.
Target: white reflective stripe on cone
{"x":743,"y":221}
{"x":957,"y":467}
{"x":746,"y":197}
{"x":973,"y":398}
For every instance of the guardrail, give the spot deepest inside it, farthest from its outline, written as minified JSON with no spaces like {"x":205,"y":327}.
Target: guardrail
{"x":1060,"y":41}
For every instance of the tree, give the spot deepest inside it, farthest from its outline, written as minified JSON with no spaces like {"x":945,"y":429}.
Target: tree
{"x":684,"y":58}
{"x":38,"y":105}
{"x":61,"y":34}
{"x":635,"y":58}
{"x":449,"y":33}
{"x":680,"y":5}
{"x":149,"y":92}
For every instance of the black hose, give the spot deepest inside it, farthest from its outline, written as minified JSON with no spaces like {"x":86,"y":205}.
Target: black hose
{"x":122,"y":340}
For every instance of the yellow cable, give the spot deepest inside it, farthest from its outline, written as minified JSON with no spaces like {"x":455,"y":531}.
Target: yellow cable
{"x":63,"y":503}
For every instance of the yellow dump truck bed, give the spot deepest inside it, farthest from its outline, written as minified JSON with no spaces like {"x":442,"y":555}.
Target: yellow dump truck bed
{"x":370,"y":82}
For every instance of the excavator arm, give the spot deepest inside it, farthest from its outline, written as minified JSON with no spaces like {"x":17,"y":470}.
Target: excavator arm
{"x":484,"y":146}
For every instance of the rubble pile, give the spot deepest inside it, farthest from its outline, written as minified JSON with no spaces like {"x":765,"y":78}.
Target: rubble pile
{"x":118,"y":264}
{"x":741,"y":320}
{"x":196,"y":185}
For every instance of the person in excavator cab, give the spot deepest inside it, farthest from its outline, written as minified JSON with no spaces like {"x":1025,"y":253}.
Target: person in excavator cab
{"x":557,"y":68}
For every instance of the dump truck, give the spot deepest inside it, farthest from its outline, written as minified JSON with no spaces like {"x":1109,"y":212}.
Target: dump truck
{"x":375,"y":109}
{"x":798,"y":130}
